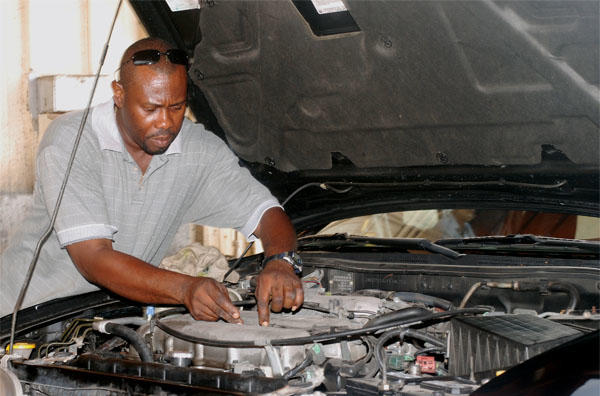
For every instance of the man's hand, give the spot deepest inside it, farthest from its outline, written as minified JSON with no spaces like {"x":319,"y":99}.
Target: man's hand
{"x":278,"y":284}
{"x":207,"y":299}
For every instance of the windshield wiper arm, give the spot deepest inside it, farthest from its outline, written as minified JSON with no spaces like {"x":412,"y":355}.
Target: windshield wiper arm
{"x":521,"y":239}
{"x":407,"y":243}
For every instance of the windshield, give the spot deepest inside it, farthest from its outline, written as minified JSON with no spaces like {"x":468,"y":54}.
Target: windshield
{"x":466,"y":223}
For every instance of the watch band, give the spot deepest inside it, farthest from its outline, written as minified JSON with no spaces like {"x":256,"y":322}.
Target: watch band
{"x":291,"y":257}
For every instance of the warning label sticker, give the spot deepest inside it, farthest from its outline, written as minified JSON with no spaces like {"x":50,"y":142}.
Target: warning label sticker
{"x":182,"y":5}
{"x":329,"y":6}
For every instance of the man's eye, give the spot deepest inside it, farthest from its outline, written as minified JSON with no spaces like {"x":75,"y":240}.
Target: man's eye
{"x":178,"y":107}
{"x":149,"y":109}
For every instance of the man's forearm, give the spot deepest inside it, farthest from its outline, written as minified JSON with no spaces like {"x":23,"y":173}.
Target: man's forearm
{"x":126,"y":275}
{"x":205,"y":298}
{"x":276,"y":232}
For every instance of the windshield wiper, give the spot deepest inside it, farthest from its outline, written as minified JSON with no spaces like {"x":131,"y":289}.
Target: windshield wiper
{"x":338,"y":240}
{"x":521,"y":241}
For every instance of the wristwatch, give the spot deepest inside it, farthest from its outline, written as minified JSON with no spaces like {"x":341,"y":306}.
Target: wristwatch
{"x":291,"y":257}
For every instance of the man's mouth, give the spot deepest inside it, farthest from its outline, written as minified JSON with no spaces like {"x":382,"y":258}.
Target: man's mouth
{"x":162,"y":139}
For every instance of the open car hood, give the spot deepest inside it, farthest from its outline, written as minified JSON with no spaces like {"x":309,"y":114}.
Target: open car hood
{"x":414,"y":83}
{"x":397,"y":90}
{"x":396,"y":83}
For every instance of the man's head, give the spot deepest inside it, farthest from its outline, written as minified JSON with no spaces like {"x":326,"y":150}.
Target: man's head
{"x":150,"y":99}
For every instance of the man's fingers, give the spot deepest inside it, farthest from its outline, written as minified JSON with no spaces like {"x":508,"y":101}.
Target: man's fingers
{"x":228,"y":311}
{"x":204,"y":313}
{"x":211,"y":302}
{"x":262,"y":303}
{"x":299,"y":298}
{"x":228,"y":316}
{"x":289,"y":295}
{"x":282,"y":287}
{"x":276,"y":297}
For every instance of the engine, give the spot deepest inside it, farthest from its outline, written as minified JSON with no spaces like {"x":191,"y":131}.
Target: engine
{"x":263,"y":358}
{"x":361,"y":342}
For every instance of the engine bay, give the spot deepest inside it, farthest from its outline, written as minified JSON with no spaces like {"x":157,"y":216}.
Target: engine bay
{"x":348,"y":339}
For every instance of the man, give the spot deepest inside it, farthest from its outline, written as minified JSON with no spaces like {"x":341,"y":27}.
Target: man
{"x":141,"y":171}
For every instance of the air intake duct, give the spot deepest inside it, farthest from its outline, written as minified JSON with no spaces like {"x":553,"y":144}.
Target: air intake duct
{"x":487,"y":343}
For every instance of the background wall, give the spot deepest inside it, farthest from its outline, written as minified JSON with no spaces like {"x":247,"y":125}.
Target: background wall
{"x":41,"y":38}
{"x":60,"y":37}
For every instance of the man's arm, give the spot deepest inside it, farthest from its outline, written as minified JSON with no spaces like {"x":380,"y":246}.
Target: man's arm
{"x":127,"y":276}
{"x":277,"y":282}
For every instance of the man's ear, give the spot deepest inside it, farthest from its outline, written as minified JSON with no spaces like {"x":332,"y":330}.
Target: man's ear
{"x":118,"y":93}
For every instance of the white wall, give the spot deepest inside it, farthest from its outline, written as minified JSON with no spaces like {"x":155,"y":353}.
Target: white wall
{"x":40,"y":38}
{"x":58,"y":37}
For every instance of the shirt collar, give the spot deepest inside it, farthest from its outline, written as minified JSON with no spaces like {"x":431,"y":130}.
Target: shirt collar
{"x":104,"y":123}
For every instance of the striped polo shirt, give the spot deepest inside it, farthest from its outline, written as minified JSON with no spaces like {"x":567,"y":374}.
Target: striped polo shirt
{"x":197,"y":180}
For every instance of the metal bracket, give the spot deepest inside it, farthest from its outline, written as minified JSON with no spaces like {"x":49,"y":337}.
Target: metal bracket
{"x":274,"y":359}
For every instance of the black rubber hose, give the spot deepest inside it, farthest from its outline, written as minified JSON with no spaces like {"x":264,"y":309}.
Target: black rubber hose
{"x":304,"y":364}
{"x":169,"y":312}
{"x":133,"y":338}
{"x":353,"y":369}
{"x":317,"y":337}
{"x":424,"y":299}
{"x":401,"y":314}
{"x":568,"y":288}
{"x":370,"y":368}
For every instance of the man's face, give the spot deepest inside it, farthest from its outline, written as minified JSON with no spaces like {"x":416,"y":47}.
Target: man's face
{"x":151,"y":108}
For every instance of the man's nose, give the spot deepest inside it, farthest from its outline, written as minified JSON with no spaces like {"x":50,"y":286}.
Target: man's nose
{"x":164,"y":120}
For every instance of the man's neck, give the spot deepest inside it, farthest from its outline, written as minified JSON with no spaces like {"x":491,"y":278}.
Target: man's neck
{"x":141,"y":158}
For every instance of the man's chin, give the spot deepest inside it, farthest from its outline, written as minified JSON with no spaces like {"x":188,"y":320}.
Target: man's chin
{"x":156,"y":150}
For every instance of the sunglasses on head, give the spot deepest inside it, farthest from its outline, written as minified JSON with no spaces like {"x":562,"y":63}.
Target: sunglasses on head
{"x":152,"y":56}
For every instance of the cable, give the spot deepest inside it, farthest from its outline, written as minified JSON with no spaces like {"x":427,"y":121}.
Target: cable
{"x":169,"y":312}
{"x":61,"y":192}
{"x":238,"y":261}
{"x":428,"y":350}
{"x":471,"y":291}
{"x":569,"y":288}
{"x":315,"y":307}
{"x":304,"y":364}
{"x":324,"y":186}
{"x":318,"y":337}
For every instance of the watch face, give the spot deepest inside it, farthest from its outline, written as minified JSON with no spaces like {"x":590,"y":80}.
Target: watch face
{"x":296,"y":262}
{"x":296,"y":257}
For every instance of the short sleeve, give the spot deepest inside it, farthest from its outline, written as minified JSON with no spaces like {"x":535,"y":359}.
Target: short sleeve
{"x":82,"y":214}
{"x":229,"y":196}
